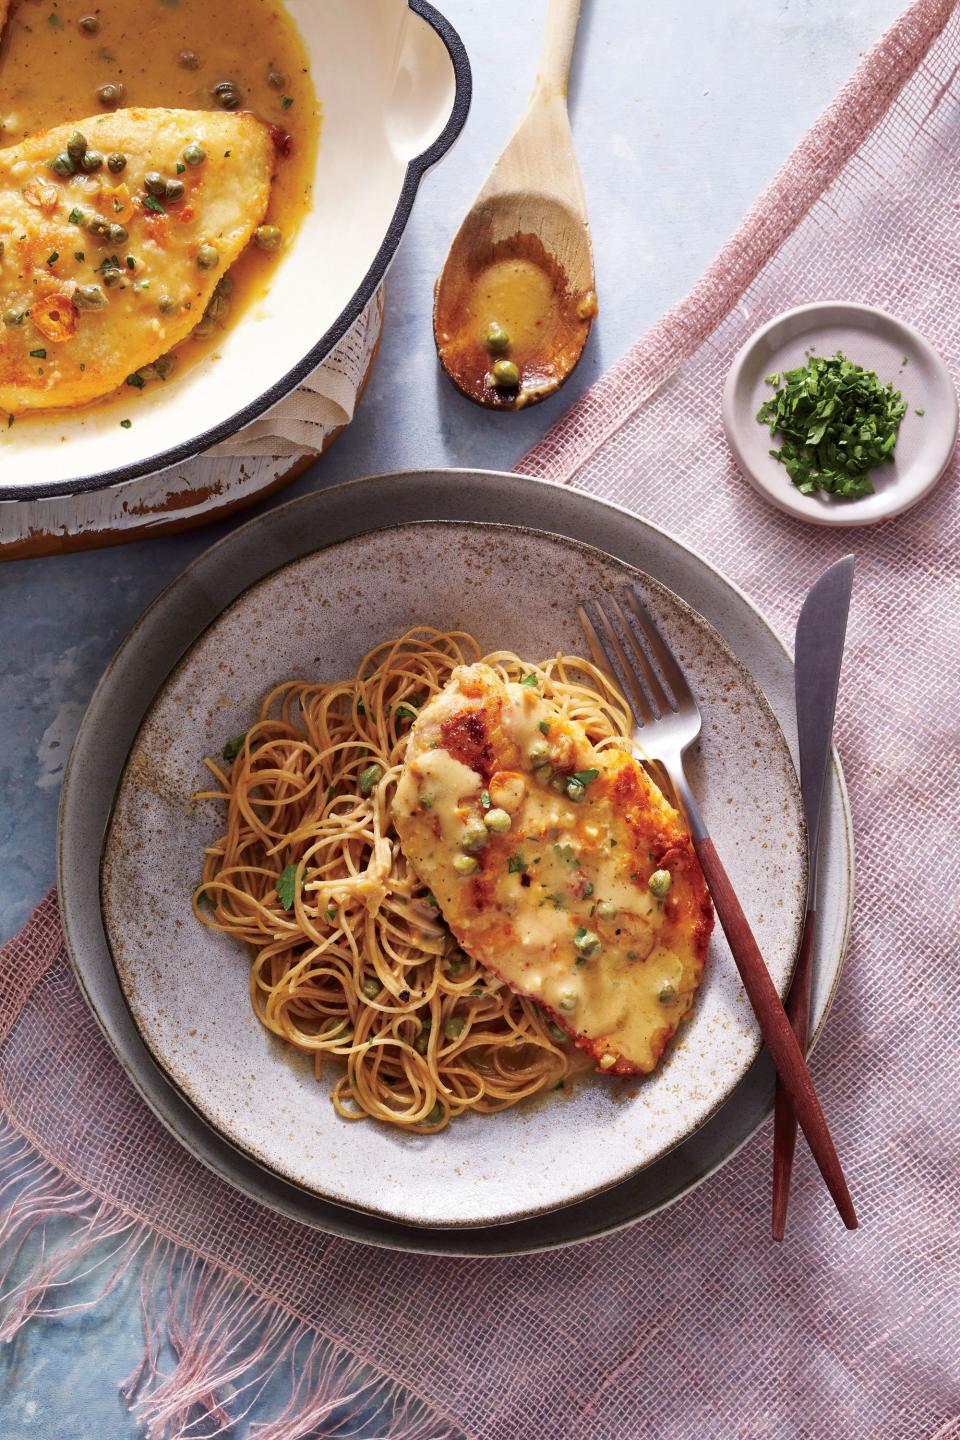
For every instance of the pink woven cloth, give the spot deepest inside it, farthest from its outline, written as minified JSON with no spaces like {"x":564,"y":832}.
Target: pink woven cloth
{"x":693,"y":1324}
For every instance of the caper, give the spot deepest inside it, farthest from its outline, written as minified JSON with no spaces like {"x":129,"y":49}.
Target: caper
{"x":543,"y":773}
{"x":116,"y":162}
{"x":173,"y":191}
{"x":497,"y":339}
{"x":118,"y":234}
{"x":498,"y":821}
{"x":194,"y":154}
{"x":77,"y":146}
{"x":558,"y":1036}
{"x":155,"y":184}
{"x":558,"y":782}
{"x":606,"y":910}
{"x":167,"y":305}
{"x":268,"y":237}
{"x":539,"y":752}
{"x":89,"y":24}
{"x":98,"y":227}
{"x":89,"y":297}
{"x":506,"y":376}
{"x":218,"y":309}
{"x":91,"y":161}
{"x":422,"y":1042}
{"x":666,"y":994}
{"x":369,"y":779}
{"x":465,"y":864}
{"x":165,"y":366}
{"x":148,"y":373}
{"x":575,"y":790}
{"x":586,"y":941}
{"x":62,"y":164}
{"x":567,"y":1000}
{"x":276,"y":79}
{"x":453,"y":1028}
{"x":475,"y":835}
{"x":227,"y":95}
{"x":189,"y":60}
{"x":110,"y":94}
{"x":660,"y":882}
{"x":208,"y":258}
{"x":12,"y":317}
{"x":204,"y":328}
{"x":435,"y":1116}
{"x":111,"y":276}
{"x":371,"y":988}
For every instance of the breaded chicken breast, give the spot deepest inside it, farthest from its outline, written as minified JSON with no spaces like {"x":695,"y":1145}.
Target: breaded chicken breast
{"x":115,"y":231}
{"x":558,"y":866}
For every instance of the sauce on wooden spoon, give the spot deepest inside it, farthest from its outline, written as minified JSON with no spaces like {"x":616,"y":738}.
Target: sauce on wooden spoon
{"x":511,"y":328}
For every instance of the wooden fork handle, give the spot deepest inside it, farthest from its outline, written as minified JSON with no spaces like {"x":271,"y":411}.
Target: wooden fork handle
{"x":775,"y":1027}
{"x":784,"y":1120}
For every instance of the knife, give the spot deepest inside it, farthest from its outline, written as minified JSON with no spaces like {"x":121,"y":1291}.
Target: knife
{"x":821,"y":630}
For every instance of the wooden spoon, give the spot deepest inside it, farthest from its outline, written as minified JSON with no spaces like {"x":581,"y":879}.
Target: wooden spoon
{"x":515,"y":300}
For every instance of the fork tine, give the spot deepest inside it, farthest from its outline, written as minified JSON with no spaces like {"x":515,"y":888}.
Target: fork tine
{"x":640,"y":661}
{"x":659,"y":648}
{"x":638,"y":697}
{"x":599,"y":656}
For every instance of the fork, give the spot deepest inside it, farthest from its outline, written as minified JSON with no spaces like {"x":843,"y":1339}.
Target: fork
{"x":667,"y":722}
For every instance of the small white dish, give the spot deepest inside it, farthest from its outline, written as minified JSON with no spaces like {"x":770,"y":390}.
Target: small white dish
{"x":877,"y":341}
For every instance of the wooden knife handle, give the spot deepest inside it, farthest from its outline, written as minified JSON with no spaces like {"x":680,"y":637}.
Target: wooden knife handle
{"x":775,"y":1027}
{"x":784,"y":1120}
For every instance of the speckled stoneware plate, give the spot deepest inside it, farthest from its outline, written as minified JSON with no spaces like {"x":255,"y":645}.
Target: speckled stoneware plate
{"x":488,"y":1170}
{"x":878,"y":341}
{"x":187,"y":986}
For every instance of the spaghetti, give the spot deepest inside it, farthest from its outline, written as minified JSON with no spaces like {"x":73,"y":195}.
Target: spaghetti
{"x":352,"y":958}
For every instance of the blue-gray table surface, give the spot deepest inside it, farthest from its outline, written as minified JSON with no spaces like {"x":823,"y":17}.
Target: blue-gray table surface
{"x":682,"y":113}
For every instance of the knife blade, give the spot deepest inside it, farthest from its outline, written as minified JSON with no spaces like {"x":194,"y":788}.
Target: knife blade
{"x":818,"y":652}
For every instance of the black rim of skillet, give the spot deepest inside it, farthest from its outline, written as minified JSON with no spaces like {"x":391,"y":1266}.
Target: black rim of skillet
{"x":417,"y":168}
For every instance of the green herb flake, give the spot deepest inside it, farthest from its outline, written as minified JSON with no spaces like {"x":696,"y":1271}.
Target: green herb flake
{"x":137,"y":381}
{"x":79,"y":255}
{"x":287,"y":101}
{"x":53,"y":257}
{"x":485,"y":799}
{"x":530,"y":680}
{"x":837,"y":422}
{"x":54,"y":20}
{"x":516,"y":865}
{"x":565,"y":852}
{"x":38,"y":354}
{"x":233,"y":747}
{"x":586,"y":777}
{"x":203,"y":898}
{"x":544,"y":727}
{"x":287,"y":887}
{"x":180,"y":167}
{"x":150,"y":202}
{"x":75,"y":217}
{"x":587,"y":892}
{"x":125,"y":424}
{"x":10,"y":420}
